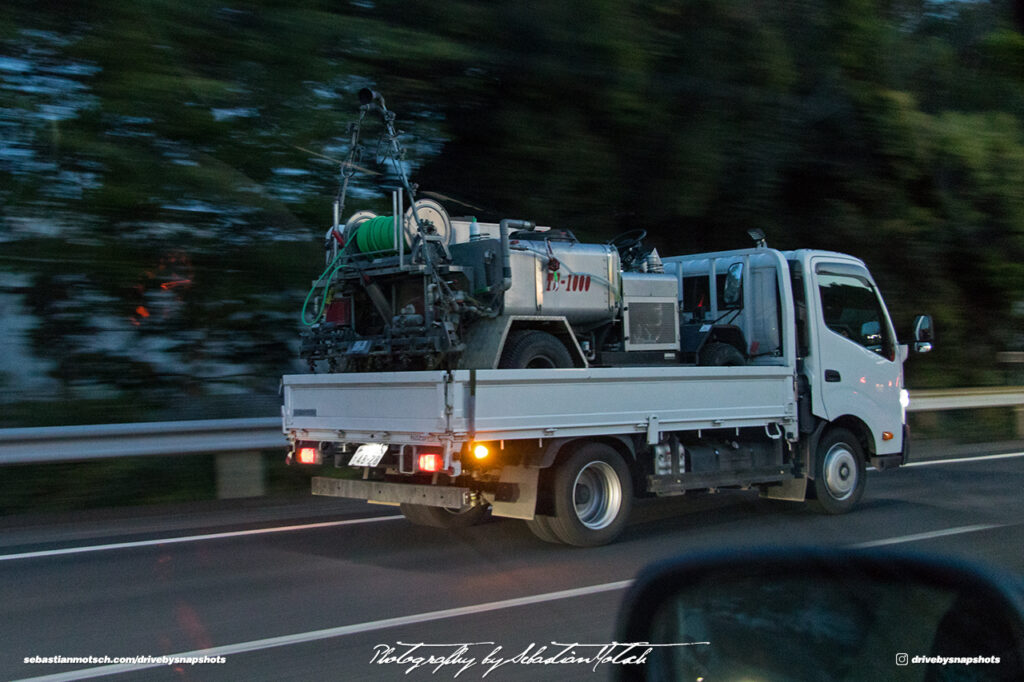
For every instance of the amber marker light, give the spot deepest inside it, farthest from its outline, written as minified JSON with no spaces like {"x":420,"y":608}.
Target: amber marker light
{"x":887,"y":435}
{"x":480,"y":451}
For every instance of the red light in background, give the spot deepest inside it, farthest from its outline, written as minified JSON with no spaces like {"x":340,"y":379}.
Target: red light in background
{"x":430,"y":461}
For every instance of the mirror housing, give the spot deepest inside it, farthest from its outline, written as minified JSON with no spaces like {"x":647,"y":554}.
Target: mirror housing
{"x":828,"y":614}
{"x":733,"y":294}
{"x":924,"y":333}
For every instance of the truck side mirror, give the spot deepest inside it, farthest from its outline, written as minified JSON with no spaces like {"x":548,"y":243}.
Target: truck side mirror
{"x":924,"y":333}
{"x":733,"y":285}
{"x":809,"y":614}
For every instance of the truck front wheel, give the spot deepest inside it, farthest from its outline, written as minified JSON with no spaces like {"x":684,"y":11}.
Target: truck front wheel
{"x":839,"y":472}
{"x":593,"y":494}
{"x":442,"y":517}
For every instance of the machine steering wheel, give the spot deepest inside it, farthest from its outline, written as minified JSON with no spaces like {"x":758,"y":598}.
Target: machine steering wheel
{"x":628,"y":241}
{"x":630,"y":247}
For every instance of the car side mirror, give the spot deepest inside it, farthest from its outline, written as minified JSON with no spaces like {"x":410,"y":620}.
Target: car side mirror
{"x":924,"y":333}
{"x":822,"y":614}
{"x":733,"y":293}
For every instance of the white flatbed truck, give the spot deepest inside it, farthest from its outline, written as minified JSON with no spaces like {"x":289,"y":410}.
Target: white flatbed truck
{"x":811,"y":391}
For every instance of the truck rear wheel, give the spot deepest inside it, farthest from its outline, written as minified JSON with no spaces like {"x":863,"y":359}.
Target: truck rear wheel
{"x":532,"y":349}
{"x":839,"y":472}
{"x":593,"y":493}
{"x":442,"y":517}
{"x":540,"y":526}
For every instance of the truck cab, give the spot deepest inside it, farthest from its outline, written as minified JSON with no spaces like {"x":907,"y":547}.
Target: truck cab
{"x":848,"y":352}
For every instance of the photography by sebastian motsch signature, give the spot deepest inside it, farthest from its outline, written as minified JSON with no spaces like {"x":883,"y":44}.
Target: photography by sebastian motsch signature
{"x":458,"y":657}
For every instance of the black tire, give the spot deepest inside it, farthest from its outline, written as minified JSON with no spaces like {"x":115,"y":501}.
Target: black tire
{"x":441,"y":517}
{"x":839,"y":472}
{"x":717,"y":354}
{"x":541,"y":527}
{"x":593,"y":496}
{"x":535,"y":350}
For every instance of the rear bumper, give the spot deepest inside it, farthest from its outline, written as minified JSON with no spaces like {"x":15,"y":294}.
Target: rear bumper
{"x":391,"y":493}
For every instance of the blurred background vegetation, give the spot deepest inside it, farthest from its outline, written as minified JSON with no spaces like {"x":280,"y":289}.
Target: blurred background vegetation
{"x":166,"y":167}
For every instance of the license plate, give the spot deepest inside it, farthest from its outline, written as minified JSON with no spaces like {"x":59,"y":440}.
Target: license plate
{"x":368,"y":455}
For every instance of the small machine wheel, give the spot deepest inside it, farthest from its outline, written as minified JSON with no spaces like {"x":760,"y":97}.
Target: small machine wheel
{"x":839,"y":472}
{"x":442,"y":517}
{"x":717,"y":354}
{"x":593,"y":497}
{"x":532,"y":349}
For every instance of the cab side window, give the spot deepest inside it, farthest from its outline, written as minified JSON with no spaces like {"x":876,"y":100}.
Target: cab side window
{"x":851,"y":309}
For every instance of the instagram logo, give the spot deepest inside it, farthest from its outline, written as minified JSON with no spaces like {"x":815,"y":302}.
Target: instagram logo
{"x":902,"y":659}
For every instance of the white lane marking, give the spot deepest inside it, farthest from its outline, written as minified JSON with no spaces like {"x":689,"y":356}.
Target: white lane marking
{"x":191,"y":538}
{"x":961,"y":460}
{"x":928,"y":536}
{"x":315,"y":635}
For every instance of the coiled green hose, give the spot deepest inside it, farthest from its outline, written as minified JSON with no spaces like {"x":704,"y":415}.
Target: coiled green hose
{"x":376,"y":235}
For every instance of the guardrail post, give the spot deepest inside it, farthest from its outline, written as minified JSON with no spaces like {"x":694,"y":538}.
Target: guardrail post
{"x":1014,"y":362}
{"x":240,"y":474}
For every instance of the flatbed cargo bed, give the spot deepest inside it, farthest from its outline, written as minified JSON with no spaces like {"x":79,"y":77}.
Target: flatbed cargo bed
{"x":433,"y":407}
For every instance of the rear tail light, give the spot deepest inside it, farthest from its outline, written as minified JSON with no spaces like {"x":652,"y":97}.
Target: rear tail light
{"x":307,"y":455}
{"x":430,"y":462}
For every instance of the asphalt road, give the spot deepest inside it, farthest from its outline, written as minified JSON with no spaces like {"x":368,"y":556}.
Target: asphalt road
{"x":279,"y":597}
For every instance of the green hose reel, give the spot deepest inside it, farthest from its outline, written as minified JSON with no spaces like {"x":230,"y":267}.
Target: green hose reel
{"x":376,"y":235}
{"x":369,"y":233}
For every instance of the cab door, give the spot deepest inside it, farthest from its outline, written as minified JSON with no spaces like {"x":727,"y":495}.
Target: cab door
{"x":859,"y":367}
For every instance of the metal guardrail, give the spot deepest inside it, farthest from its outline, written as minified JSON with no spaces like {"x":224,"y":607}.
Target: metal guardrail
{"x":932,"y":400}
{"x":102,"y":441}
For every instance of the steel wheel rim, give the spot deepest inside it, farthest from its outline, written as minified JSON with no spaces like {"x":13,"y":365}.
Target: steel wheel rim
{"x":597,"y":495}
{"x":840,"y":471}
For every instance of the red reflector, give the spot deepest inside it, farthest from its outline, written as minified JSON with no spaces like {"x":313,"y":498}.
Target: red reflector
{"x":430,"y":462}
{"x":307,"y":456}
